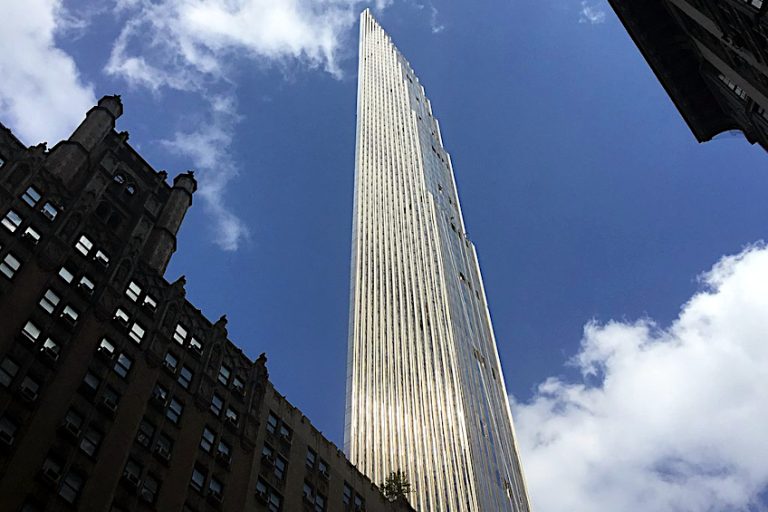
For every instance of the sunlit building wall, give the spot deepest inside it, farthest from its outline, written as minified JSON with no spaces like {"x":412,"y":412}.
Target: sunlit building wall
{"x":425,"y":391}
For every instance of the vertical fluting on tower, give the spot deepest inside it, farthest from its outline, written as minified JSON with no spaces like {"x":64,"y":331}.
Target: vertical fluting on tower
{"x":425,"y":392}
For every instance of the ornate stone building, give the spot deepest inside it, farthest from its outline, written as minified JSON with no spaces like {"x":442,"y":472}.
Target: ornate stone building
{"x":711,"y":56}
{"x":116,"y":393}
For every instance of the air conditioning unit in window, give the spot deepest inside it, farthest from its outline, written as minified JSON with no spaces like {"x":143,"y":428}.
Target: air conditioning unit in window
{"x":231,"y":421}
{"x":29,"y":238}
{"x":131,"y":480}
{"x":50,"y":353}
{"x":84,"y":290}
{"x":168,"y":366}
{"x":163,"y":453}
{"x":28,"y":393}
{"x":147,"y":496}
{"x":308,"y":499}
{"x":70,"y":428}
{"x":262,"y":496}
{"x":101,"y":260}
{"x":269,"y":460}
{"x":324,"y":474}
{"x":196,"y":351}
{"x":122,"y":321}
{"x":158,"y":398}
{"x":104,"y":353}
{"x":6,"y":438}
{"x":109,"y":404}
{"x":285,"y":436}
{"x":224,"y":458}
{"x":214,"y":496}
{"x":51,"y":474}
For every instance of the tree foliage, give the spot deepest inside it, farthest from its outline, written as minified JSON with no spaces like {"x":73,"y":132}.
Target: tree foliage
{"x":396,"y":486}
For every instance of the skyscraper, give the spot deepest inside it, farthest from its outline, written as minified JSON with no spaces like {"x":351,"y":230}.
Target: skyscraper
{"x":425,"y":392}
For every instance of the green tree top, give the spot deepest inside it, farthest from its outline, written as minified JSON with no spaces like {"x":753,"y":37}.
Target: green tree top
{"x":396,"y":486}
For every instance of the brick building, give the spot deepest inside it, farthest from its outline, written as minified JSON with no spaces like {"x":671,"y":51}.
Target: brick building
{"x":711,"y":56}
{"x":116,"y":393}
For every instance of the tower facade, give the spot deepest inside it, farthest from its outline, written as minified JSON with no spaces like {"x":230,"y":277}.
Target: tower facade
{"x":425,"y":391}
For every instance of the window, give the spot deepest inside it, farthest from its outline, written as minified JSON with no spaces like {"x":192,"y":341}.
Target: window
{"x":10,"y":266}
{"x":51,"y":349}
{"x":123,"y":365}
{"x":70,"y":314}
{"x":110,"y":397}
{"x":2,"y":161}
{"x":272,"y":422}
{"x":150,"y":303}
{"x":49,"y":301}
{"x":180,"y":334}
{"x":279,"y":469}
{"x":164,"y":446}
{"x":311,"y":458}
{"x":319,"y":502}
{"x":206,"y":441}
{"x":268,"y":496}
{"x":29,"y":388}
{"x":232,"y":416}
{"x":145,"y":433}
{"x":195,"y":345}
{"x":132,"y":472}
{"x":347,"y":496}
{"x":130,"y":189}
{"x":84,"y":245}
{"x":101,"y":258}
{"x":238,"y":384}
{"x":160,"y":394}
{"x":8,"y":371}
{"x":86,"y":285}
{"x":31,"y":331}
{"x":137,"y":333}
{"x":31,"y":196}
{"x":133,"y":291}
{"x":8,"y":429}
{"x":49,"y":211}
{"x":71,"y":487}
{"x":11,"y":221}
{"x":185,"y":377}
{"x":170,"y":361}
{"x":198,"y":479}
{"x":215,"y":488}
{"x":66,"y":275}
{"x":31,"y":235}
{"x":106,"y":348}
{"x":122,"y":317}
{"x":217,"y":403}
{"x":173,"y":413}
{"x":285,"y":433}
{"x":224,"y":374}
{"x":119,"y":178}
{"x":322,"y":467}
{"x":309,"y":492}
{"x":90,"y":442}
{"x":149,"y":489}
{"x":359,"y":502}
{"x":73,"y":420}
{"x":224,"y":450}
{"x":91,"y":382}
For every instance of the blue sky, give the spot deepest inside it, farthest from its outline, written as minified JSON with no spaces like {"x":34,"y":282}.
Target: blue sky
{"x":602,"y":227}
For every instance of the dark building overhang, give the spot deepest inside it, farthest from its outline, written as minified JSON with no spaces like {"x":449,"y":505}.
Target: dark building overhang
{"x":676,"y":62}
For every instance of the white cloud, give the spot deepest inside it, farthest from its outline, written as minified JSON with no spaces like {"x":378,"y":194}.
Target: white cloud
{"x":662,"y":419}
{"x":42,"y":95}
{"x":591,"y":13}
{"x":208,"y":149}
{"x":199,"y":46}
{"x":436,"y":26}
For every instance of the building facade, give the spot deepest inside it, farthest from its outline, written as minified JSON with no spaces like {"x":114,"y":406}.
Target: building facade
{"x":425,"y":390}
{"x":116,"y":393}
{"x":711,"y":56}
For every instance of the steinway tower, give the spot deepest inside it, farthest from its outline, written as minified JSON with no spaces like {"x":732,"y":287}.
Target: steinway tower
{"x":425,"y":392}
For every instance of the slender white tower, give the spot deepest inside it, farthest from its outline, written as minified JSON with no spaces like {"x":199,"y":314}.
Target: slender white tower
{"x":425,"y":392}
